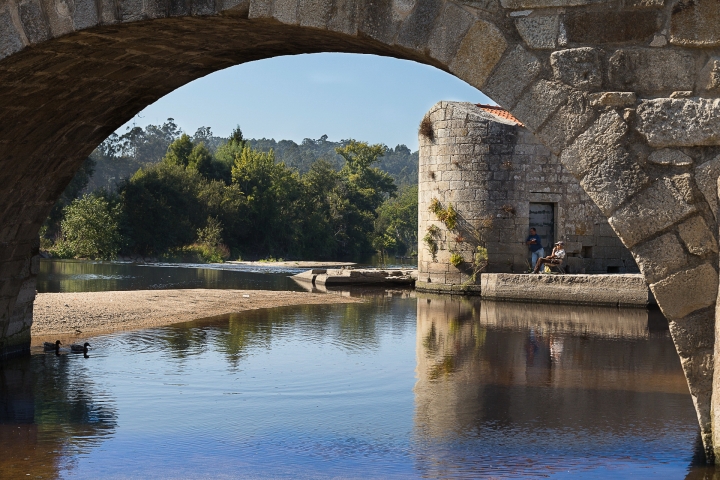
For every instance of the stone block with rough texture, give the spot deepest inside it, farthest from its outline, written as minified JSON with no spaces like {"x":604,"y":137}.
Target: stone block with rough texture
{"x":516,"y":70}
{"x":670,"y":157}
{"x":577,"y":67}
{"x":684,"y":292}
{"x":539,"y":32}
{"x":479,"y":52}
{"x":612,"y":99}
{"x":697,"y":237}
{"x":595,"y":144}
{"x":651,"y":70}
{"x":706,"y":177}
{"x":664,"y":203}
{"x":676,"y":122}
{"x":696,"y":24}
{"x":660,"y":257}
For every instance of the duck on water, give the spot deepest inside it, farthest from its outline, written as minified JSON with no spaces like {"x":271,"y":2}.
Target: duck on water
{"x":74,"y":348}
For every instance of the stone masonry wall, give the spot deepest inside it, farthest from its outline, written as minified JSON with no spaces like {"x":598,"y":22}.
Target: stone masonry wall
{"x":16,"y":303}
{"x":490,"y":169}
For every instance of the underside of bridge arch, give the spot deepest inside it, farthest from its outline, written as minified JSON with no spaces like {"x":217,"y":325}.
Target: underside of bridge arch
{"x":625,"y":92}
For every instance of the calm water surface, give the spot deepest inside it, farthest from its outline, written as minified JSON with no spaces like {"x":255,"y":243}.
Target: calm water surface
{"x":86,"y":276}
{"x":403,"y":386}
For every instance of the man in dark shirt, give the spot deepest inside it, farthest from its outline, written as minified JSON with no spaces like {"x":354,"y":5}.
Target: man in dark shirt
{"x":534,"y":242}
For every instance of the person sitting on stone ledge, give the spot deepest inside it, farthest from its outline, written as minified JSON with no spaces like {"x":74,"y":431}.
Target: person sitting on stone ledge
{"x":556,"y":257}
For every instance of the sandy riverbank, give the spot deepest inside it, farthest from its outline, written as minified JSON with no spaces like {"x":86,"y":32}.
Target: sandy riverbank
{"x":70,"y":316}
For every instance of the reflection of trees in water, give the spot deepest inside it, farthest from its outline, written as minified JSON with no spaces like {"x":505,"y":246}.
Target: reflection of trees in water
{"x":50,"y":409}
{"x":351,"y":327}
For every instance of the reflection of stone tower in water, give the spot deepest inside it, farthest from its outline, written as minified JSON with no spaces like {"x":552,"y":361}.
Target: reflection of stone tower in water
{"x":500,"y":180}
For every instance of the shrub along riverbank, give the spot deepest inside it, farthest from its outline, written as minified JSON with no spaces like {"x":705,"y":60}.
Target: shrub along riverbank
{"x":236,"y":201}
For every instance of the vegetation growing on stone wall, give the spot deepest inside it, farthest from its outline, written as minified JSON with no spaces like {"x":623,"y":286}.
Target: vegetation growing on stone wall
{"x":480,"y":262}
{"x":426,"y":129}
{"x":446,"y":215}
{"x":456,"y":259}
{"x":430,"y":239}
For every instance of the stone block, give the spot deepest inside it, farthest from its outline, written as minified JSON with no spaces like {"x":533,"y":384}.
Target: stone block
{"x":539,"y":32}
{"x":595,"y":144}
{"x":416,"y":29}
{"x":664,"y":203}
{"x":651,"y":70}
{"x":480,"y":50}
{"x":566,"y":123}
{"x":523,"y":4}
{"x":314,"y":13}
{"x":285,"y":11}
{"x":644,"y":3}
{"x":709,"y":77}
{"x":516,"y":70}
{"x":260,"y":9}
{"x":176,"y":8}
{"x":660,"y":257}
{"x":10,"y":39}
{"x":612,"y":181}
{"x":539,"y":102}
{"x":697,"y":237}
{"x":669,"y":156}
{"x":577,"y":67}
{"x":450,"y":28}
{"x":343,"y":17}
{"x":379,"y":19}
{"x":612,"y":99}
{"x":706,"y":177}
{"x":695,"y":24}
{"x":596,"y":27}
{"x":679,"y":122}
{"x":33,"y":21}
{"x":684,"y":292}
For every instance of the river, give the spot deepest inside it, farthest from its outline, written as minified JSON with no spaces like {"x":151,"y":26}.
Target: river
{"x":405,"y":385}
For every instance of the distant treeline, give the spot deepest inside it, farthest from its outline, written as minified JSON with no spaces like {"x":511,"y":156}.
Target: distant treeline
{"x":120,"y":156}
{"x":159,"y":192}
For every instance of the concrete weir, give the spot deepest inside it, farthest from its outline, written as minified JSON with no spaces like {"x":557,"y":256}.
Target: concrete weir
{"x":347,"y":276}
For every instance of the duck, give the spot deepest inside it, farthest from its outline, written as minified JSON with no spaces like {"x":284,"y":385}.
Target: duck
{"x":52,"y":347}
{"x":77,"y":348}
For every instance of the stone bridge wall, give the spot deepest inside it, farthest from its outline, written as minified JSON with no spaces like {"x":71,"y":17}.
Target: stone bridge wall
{"x":624,"y":92}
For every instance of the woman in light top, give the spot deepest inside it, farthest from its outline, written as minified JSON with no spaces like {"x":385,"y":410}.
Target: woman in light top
{"x":556,"y":257}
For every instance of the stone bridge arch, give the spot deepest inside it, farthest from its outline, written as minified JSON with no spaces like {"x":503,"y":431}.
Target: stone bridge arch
{"x":625,"y":91}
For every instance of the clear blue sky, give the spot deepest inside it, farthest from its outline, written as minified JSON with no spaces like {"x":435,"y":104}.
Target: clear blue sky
{"x":366,"y":97}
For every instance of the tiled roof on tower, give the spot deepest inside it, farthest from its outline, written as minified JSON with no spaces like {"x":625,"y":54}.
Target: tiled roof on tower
{"x":500,"y":112}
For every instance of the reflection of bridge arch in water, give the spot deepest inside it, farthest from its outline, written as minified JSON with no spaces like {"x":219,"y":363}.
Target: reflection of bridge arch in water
{"x":72,"y":72}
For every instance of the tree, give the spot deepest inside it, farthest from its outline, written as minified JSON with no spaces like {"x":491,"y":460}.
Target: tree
{"x":398,"y":219}
{"x":365,"y":188}
{"x":178,"y":153}
{"x":90,"y":229}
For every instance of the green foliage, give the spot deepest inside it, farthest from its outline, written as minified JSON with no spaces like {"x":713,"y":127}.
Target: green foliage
{"x":89,"y":229}
{"x":198,"y":253}
{"x":446,"y":215}
{"x":430,"y":240}
{"x":398,"y":219}
{"x":51,"y":226}
{"x":456,"y":259}
{"x":178,"y":153}
{"x":207,"y":197}
{"x":211,"y":234}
